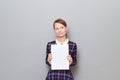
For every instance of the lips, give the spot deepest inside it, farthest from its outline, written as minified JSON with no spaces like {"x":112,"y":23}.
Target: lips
{"x":60,"y":33}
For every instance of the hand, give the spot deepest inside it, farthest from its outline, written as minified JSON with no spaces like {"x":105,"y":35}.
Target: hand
{"x":49,"y":58}
{"x":69,"y":58}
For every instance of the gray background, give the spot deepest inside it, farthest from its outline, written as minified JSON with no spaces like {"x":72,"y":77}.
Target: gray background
{"x":26,"y":27}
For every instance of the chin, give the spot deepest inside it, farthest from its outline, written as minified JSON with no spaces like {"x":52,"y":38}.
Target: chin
{"x":60,"y":36}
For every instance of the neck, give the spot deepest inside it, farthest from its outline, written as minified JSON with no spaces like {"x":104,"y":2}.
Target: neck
{"x":61,"y":39}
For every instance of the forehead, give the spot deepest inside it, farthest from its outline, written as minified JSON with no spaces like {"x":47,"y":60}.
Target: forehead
{"x":57,"y":25}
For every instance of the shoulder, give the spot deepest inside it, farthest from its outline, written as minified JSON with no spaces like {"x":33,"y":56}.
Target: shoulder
{"x":72,"y":43}
{"x":51,"y":42}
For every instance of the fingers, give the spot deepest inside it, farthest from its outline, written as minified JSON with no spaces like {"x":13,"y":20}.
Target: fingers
{"x":69,"y":58}
{"x":49,"y":58}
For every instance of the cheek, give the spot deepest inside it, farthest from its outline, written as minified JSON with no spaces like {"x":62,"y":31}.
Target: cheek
{"x":56,"y":32}
{"x":65,"y":31}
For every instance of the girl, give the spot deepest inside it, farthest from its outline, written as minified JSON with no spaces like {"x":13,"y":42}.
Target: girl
{"x":60,"y":28}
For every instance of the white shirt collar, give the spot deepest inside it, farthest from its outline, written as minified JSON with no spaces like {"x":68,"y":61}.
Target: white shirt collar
{"x":65,"y":42}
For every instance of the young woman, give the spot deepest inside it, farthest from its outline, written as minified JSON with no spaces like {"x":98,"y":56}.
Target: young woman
{"x":60,"y":28}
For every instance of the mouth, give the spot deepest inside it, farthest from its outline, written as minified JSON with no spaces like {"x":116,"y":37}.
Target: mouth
{"x":60,"y":33}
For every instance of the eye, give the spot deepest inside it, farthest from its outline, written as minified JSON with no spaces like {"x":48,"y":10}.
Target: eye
{"x":62,"y":27}
{"x":56,"y":28}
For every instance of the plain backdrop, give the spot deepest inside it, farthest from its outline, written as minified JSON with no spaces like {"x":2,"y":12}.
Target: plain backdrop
{"x":26,"y":27}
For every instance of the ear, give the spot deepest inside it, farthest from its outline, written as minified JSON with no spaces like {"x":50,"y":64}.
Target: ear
{"x":66,"y":28}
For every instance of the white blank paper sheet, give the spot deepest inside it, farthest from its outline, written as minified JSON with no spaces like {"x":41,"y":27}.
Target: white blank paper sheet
{"x":59,"y":57}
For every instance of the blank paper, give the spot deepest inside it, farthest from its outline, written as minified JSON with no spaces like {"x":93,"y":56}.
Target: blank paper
{"x":59,"y":57}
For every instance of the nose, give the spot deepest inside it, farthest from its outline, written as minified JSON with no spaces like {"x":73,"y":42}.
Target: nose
{"x":59,"y":29}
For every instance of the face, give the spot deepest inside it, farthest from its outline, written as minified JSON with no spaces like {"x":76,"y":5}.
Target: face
{"x":60,"y":30}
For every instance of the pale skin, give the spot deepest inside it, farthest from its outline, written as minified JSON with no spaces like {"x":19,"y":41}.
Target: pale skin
{"x":61,"y":32}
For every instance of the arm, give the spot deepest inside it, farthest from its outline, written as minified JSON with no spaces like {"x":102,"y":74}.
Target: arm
{"x":74,"y":54}
{"x":48,"y":51}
